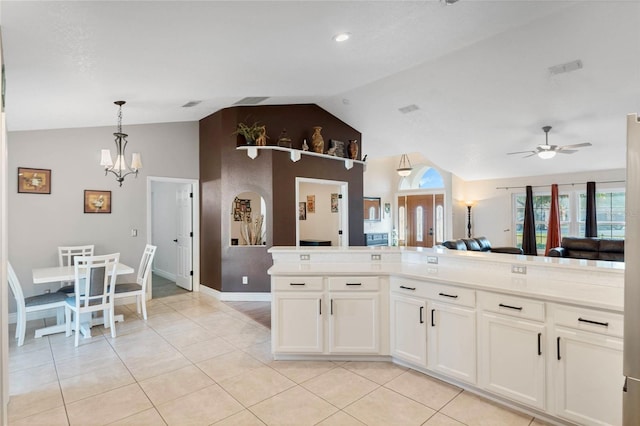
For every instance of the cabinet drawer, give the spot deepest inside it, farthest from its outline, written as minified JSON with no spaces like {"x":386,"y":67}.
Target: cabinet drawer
{"x":511,"y":305}
{"x":409,"y":287}
{"x":297,"y":283}
{"x":589,"y":320}
{"x":454,"y":295}
{"x":354,"y":284}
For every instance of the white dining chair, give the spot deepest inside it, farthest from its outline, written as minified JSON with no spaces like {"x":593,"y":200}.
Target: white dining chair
{"x":25,"y":305}
{"x":66,"y":255}
{"x":95,"y":281}
{"x":139,"y":288}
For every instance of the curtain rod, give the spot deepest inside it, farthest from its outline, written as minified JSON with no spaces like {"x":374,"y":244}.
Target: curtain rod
{"x":560,"y":184}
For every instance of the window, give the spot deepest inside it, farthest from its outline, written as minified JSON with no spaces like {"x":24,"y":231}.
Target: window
{"x":419,"y":224}
{"x":610,"y":215}
{"x":401,"y":223}
{"x":439,"y":224}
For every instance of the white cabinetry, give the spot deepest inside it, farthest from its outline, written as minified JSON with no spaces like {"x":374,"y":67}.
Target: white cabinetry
{"x":451,"y":334}
{"x":296,"y":315}
{"x":512,"y":357}
{"x":434,"y":326}
{"x":354,"y":315}
{"x":587,"y":365}
{"x":317,"y":315}
{"x":409,"y":329}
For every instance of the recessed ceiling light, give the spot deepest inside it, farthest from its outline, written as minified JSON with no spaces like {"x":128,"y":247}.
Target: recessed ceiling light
{"x":341,"y":37}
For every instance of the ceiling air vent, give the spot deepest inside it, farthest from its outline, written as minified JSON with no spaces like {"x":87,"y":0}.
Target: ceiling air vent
{"x":251,"y":100}
{"x":568,"y":67}
{"x":191,"y":104}
{"x":408,"y":108}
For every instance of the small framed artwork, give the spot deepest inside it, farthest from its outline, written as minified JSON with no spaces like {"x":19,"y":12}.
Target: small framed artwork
{"x":334,"y":203}
{"x":387,"y":208}
{"x":302,"y":210}
{"x":97,"y":201}
{"x":34,"y":181}
{"x":311,"y":203}
{"x":241,"y":209}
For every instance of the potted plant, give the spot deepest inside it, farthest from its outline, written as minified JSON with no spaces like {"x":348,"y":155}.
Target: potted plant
{"x":249,"y":132}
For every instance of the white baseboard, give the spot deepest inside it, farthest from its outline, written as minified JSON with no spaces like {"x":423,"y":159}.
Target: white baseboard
{"x":165,"y":274}
{"x":227,"y":296}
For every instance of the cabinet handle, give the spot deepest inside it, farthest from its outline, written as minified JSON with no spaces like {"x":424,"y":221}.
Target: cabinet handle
{"x":421,"y":312}
{"x":320,"y":306}
{"x":539,"y":343}
{"x":331,"y":307}
{"x":515,"y":308}
{"x":296,"y":283}
{"x":558,"y":348}
{"x":408,"y":288}
{"x":433,"y":320}
{"x":448,"y":295}
{"x":604,"y":324}
{"x":354,"y":283}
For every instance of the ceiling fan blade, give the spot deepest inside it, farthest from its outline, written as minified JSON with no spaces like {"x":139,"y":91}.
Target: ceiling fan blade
{"x":567,"y":151}
{"x":521,"y":152}
{"x":578,"y":145}
{"x":530,"y":155}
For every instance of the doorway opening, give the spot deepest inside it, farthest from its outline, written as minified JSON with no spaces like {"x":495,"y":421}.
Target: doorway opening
{"x":323,"y":212}
{"x":173,"y":226}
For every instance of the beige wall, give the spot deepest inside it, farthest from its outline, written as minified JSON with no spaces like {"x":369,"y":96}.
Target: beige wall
{"x":38,"y":224}
{"x":492,"y":212}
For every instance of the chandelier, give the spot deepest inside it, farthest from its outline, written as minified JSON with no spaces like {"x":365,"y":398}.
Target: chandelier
{"x":120,"y":169}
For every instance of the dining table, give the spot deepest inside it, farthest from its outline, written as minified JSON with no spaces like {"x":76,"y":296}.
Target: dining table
{"x":67,"y":273}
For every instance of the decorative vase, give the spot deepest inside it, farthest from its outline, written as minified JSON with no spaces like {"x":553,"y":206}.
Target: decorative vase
{"x":317,"y":142}
{"x":353,"y":149}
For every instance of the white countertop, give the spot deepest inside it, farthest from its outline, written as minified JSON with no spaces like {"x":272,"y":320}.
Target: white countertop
{"x":596,"y":284}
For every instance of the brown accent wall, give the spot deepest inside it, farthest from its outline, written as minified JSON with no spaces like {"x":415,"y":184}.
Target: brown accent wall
{"x":226,"y":172}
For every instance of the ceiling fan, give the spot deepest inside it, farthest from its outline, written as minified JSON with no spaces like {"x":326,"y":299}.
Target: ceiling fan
{"x":549,"y":151}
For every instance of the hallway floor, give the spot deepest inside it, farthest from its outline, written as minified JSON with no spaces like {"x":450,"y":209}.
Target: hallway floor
{"x":164,"y":287}
{"x":198,"y":361}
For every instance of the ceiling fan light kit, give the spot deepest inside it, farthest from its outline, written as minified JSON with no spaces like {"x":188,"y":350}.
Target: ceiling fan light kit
{"x":547,"y":151}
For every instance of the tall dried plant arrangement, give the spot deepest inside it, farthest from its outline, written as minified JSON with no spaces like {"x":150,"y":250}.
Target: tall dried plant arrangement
{"x":251,"y":230}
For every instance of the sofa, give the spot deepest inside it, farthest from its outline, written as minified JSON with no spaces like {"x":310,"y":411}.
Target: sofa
{"x":590,"y":248}
{"x":479,"y":244}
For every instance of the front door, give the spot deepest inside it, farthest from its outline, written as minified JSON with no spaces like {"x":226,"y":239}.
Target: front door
{"x":184,"y":240}
{"x":419,"y":220}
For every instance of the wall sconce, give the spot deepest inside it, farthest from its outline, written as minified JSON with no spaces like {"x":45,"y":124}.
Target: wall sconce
{"x":469,"y":205}
{"x":120,"y":169}
{"x":404,"y":168}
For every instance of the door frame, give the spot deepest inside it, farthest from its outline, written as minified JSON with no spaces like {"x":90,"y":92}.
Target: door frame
{"x":195,"y":223}
{"x":344,"y":206}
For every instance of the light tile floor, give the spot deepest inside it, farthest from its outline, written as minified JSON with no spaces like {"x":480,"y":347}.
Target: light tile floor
{"x":197,"y":361}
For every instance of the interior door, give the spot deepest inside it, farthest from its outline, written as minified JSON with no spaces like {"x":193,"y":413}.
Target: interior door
{"x":184,"y":239}
{"x":419,"y":220}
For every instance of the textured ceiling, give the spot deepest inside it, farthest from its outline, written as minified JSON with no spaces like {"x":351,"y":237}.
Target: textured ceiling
{"x":477,"y":70}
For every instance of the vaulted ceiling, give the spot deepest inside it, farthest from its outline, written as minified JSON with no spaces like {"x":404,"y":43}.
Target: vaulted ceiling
{"x":477,"y":71}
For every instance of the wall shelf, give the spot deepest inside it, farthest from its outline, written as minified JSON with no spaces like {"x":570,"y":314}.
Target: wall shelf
{"x":296,"y":154}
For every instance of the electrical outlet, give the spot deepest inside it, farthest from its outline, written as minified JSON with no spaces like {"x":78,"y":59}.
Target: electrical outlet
{"x":432,"y":259}
{"x":245,"y":280}
{"x":305,"y":257}
{"x":518,"y":269}
{"x":376,"y":257}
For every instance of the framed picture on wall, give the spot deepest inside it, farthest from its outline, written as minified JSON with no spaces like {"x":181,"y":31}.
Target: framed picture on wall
{"x":241,"y":207}
{"x":34,"y":181}
{"x":302,"y":210}
{"x":334,"y":203}
{"x":97,"y":201}
{"x":311,"y":203}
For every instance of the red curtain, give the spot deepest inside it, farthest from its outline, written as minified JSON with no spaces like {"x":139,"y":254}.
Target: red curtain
{"x":553,"y":227}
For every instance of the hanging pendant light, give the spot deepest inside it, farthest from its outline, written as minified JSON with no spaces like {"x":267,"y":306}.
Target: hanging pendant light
{"x":120,"y":169}
{"x":404,"y":168}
